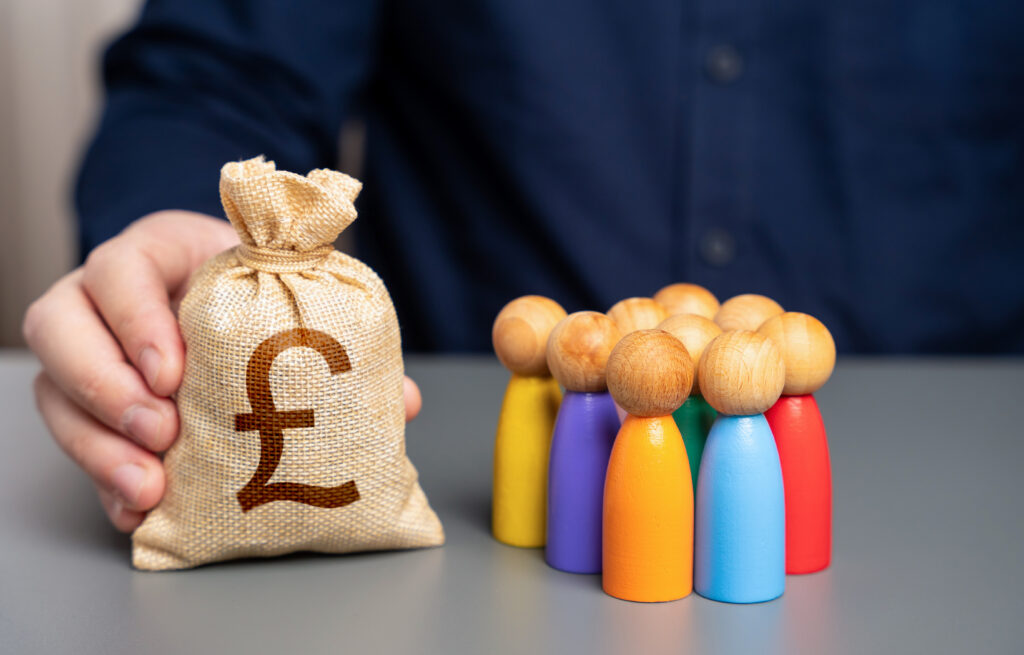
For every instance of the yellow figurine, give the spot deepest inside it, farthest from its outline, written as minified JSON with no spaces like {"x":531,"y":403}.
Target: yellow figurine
{"x":527,"y":418}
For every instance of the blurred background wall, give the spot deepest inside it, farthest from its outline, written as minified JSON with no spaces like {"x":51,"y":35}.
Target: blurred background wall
{"x":49,"y":98}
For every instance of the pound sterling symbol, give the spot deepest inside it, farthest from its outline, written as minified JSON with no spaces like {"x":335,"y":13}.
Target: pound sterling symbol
{"x":271,"y":423}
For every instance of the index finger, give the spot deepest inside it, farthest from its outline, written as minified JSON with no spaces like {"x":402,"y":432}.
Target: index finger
{"x":131,"y":295}
{"x":132,"y":278}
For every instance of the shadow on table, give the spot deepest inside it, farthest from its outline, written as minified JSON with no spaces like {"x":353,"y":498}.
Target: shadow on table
{"x":472,"y":510}
{"x":62,"y":508}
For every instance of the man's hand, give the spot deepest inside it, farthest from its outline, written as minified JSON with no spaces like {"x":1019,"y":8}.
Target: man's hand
{"x":112,"y":355}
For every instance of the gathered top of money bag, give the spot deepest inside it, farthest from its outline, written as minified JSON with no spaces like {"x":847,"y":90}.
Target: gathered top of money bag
{"x":286,"y":222}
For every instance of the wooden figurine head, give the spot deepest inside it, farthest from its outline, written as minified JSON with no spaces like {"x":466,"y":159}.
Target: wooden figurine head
{"x":578,"y":350}
{"x":742,"y":373}
{"x":746,"y":312}
{"x":520,"y":334}
{"x":696,"y":332}
{"x":634,"y":314}
{"x":650,"y":373}
{"x":807,"y":349}
{"x":684,"y":298}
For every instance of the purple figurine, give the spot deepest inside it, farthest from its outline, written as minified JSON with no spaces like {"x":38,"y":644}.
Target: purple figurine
{"x":577,"y":354}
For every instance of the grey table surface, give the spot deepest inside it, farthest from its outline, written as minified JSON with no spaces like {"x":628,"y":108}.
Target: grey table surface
{"x":926,"y":458}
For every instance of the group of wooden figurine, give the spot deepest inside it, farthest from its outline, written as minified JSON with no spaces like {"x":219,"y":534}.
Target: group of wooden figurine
{"x":687,"y":452}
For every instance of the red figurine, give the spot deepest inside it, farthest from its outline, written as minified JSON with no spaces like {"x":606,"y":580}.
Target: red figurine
{"x":810,"y":355}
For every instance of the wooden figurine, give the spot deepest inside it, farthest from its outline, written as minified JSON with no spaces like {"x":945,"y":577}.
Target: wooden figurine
{"x":695,"y":416}
{"x":578,"y":351}
{"x":520,"y":338}
{"x":633,"y":314}
{"x":684,"y":298}
{"x":648,"y":497}
{"x":810,"y":355}
{"x":739,"y":550}
{"x":746,"y":312}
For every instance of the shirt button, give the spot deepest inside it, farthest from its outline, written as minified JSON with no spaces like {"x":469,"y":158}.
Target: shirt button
{"x":717,"y":247}
{"x":724,"y":64}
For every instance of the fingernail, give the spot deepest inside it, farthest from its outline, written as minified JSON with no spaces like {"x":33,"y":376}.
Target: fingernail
{"x":149,"y":364}
{"x":128,"y":480}
{"x":116,"y":507}
{"x":143,"y":424}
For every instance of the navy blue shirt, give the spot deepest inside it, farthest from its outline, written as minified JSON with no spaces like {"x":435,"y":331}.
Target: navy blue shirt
{"x":858,"y":160}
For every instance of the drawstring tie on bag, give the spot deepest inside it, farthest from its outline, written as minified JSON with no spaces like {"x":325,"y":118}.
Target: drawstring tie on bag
{"x":271,"y":260}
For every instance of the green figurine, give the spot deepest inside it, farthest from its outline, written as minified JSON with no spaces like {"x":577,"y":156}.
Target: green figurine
{"x":695,"y":416}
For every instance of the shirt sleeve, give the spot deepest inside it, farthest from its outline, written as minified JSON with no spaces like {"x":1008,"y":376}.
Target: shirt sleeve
{"x":196,"y":83}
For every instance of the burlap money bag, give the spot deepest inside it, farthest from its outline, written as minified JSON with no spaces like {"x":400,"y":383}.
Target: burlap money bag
{"x":292,"y":414}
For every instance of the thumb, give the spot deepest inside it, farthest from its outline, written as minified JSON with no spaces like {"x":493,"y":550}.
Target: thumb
{"x":413,"y":399}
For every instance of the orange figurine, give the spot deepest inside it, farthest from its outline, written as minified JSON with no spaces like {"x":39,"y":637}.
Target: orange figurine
{"x":746,"y":312}
{"x":648,"y":496}
{"x":685,"y":298}
{"x":527,"y":418}
{"x":634,"y":314}
{"x":810,"y":355}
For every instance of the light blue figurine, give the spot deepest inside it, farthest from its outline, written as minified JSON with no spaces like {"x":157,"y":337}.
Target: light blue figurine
{"x":740,"y":516}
